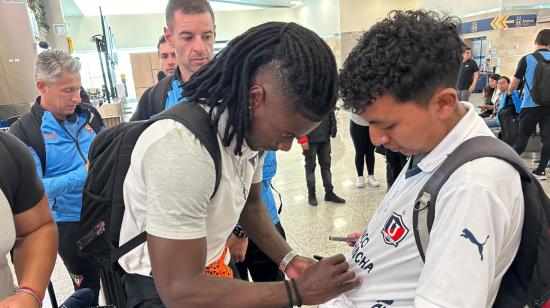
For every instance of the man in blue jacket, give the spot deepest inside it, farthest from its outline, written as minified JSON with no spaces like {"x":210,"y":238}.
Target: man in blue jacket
{"x":59,"y":130}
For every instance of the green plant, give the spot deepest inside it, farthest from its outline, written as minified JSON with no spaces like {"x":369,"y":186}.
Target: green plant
{"x":38,"y":8}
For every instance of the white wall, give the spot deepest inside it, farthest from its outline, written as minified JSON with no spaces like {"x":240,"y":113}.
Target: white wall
{"x":138,"y":31}
{"x":321,"y":16}
{"x":360,"y":15}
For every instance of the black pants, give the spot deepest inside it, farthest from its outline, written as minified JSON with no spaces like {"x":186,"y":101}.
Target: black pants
{"x":394,"y":164}
{"x":260,"y":266}
{"x":364,"y":149}
{"x":321,"y":150}
{"x":528,"y":120}
{"x":141,"y":292}
{"x":84,"y":272}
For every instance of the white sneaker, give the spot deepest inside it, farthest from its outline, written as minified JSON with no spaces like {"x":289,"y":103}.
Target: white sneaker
{"x":371,"y":180}
{"x":360,"y":182}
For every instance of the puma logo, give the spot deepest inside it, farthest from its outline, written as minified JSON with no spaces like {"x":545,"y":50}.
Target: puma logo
{"x":470,"y":236}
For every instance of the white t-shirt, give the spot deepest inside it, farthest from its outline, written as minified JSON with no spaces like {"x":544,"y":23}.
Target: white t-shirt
{"x":495,"y":97}
{"x":358,"y":119}
{"x":475,"y":235}
{"x":168,"y":187}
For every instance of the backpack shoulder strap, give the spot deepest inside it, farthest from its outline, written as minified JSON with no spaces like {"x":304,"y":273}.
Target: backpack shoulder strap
{"x":95,"y":120}
{"x":157,"y":95}
{"x":196,"y":119}
{"x":471,"y":149}
{"x":540,"y":58}
{"x":34,"y":138}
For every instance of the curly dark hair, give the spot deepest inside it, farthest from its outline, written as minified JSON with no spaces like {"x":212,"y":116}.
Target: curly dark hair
{"x":407,"y":55}
{"x":300,"y":61}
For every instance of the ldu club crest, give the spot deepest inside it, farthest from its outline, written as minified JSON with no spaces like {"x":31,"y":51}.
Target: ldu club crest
{"x":394,"y":230}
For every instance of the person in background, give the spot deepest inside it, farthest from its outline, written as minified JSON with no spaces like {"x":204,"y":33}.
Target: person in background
{"x":191,"y":31}
{"x":59,"y":130}
{"x":167,"y":58}
{"x":467,"y":78}
{"x":364,"y":151}
{"x":488,"y":96}
{"x":27,"y":228}
{"x":532,"y":113}
{"x":500,"y":100}
{"x":486,"y":68}
{"x":316,"y":146}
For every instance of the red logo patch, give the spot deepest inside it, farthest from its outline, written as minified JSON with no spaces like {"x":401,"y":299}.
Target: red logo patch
{"x":50,"y":136}
{"x":394,"y":230}
{"x":89,"y":128}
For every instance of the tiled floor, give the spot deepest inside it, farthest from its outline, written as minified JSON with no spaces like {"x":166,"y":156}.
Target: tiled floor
{"x":308,"y":227}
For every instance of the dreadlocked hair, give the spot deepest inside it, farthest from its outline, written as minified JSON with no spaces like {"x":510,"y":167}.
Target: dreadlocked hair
{"x":300,"y":61}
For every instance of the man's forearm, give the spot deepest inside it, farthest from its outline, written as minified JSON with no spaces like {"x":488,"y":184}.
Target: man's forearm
{"x":62,"y":184}
{"x":513,"y":85}
{"x":476,"y":76}
{"x":223,"y":292}
{"x":34,"y":257}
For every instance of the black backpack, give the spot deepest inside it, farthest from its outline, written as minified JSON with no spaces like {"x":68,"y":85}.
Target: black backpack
{"x":527,"y":281}
{"x":156,"y":99}
{"x":509,"y":122}
{"x":103,"y":202}
{"x":540,"y":86}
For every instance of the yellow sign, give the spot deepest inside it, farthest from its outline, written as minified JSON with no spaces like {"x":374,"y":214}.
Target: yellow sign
{"x":501,"y":22}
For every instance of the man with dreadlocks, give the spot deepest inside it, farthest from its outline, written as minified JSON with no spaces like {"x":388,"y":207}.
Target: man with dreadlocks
{"x":272,"y":83}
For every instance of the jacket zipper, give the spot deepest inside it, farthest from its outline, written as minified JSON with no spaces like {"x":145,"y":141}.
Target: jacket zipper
{"x":76,"y":140}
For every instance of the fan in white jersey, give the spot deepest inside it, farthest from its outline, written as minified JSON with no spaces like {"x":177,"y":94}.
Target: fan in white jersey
{"x":400,"y":78}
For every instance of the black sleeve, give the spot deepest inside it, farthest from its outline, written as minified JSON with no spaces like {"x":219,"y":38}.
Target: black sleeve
{"x":333,"y":124}
{"x":97,"y":122}
{"x":18,"y":177}
{"x":143,"y":111}
{"x":17,"y":130}
{"x":522,"y":67}
{"x":475,"y":68}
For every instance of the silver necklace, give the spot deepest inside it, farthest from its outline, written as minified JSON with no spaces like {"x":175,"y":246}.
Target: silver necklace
{"x":240,"y":176}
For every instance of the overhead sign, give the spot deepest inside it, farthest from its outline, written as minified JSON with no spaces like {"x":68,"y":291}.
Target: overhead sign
{"x":499,"y":22}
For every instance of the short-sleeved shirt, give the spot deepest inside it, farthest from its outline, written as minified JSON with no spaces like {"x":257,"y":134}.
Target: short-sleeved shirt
{"x":526,"y":69}
{"x":20,"y":190}
{"x":168,"y":187}
{"x":474,"y":239}
{"x":466,"y":74}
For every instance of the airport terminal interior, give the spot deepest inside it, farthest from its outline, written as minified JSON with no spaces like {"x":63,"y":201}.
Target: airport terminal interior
{"x":116,"y":44}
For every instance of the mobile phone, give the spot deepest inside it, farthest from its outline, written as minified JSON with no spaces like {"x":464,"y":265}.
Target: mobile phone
{"x":341,"y":239}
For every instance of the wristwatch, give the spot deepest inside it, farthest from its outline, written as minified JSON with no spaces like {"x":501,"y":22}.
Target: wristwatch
{"x":286,"y":260}
{"x":239,"y":231}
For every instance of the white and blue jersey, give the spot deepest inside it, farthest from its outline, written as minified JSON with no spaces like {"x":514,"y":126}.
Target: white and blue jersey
{"x":474,"y":238}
